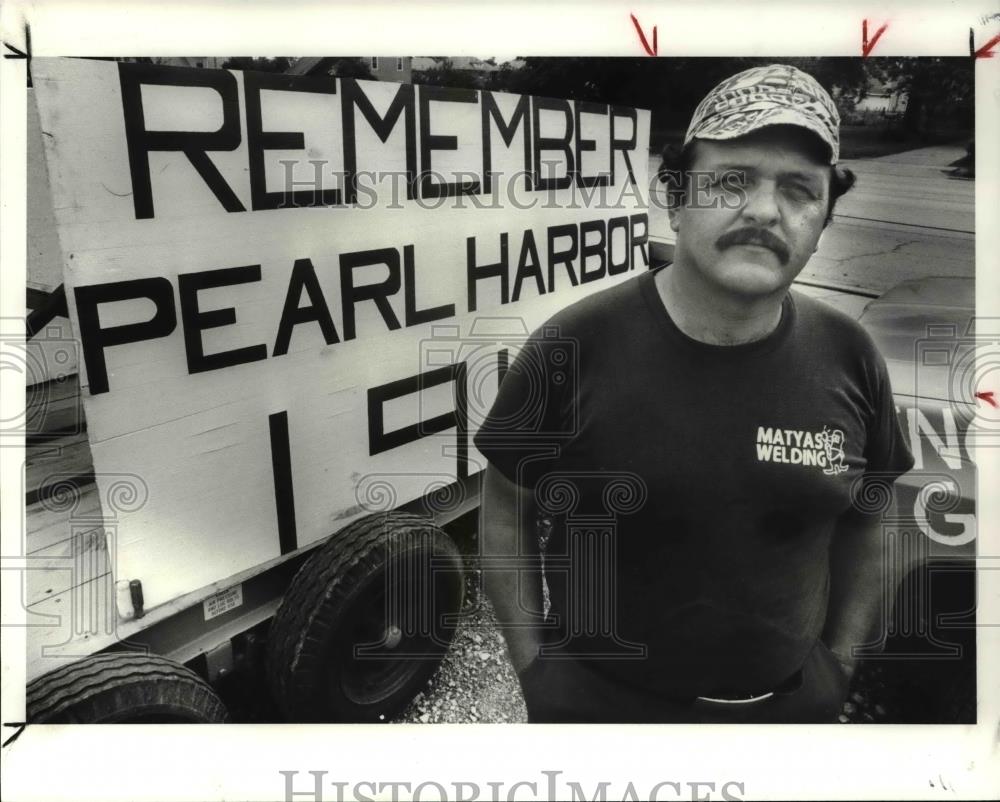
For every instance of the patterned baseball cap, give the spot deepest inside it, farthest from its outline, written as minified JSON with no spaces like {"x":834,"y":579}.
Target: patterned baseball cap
{"x":777,"y":94}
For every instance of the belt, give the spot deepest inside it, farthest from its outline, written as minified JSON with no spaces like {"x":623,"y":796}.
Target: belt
{"x":790,"y":684}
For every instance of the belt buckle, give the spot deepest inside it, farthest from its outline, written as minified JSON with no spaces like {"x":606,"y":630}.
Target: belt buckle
{"x":737,"y":700}
{"x":788,"y":685}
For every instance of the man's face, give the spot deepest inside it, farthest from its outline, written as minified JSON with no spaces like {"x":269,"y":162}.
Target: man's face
{"x":754,"y":210}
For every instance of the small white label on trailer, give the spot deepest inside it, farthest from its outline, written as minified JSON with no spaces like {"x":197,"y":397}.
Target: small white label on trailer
{"x":223,"y":602}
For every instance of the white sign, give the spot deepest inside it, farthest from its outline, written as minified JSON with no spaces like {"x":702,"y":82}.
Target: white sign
{"x":223,"y":602}
{"x":294,"y":294}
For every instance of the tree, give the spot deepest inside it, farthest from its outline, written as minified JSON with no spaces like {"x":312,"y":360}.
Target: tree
{"x":257,"y":63}
{"x":351,"y":67}
{"x":445,"y":74}
{"x":669,"y":87}
{"x":940,"y":91}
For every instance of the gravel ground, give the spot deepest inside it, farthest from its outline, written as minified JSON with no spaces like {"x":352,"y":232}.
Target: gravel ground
{"x":476,"y":682}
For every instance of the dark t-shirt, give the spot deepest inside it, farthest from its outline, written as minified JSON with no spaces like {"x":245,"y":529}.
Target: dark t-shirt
{"x":694,"y":488}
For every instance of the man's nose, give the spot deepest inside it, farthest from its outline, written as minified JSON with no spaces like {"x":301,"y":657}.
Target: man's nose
{"x":761,"y":206}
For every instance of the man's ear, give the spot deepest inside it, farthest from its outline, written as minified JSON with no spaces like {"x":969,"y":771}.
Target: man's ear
{"x":673,"y":212}
{"x":819,"y":242}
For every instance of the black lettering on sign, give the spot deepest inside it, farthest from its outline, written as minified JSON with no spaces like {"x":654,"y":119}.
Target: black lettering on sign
{"x":616,"y":268}
{"x":379,"y":293}
{"x":193,"y":144}
{"x":491,"y":111}
{"x":598,"y":247}
{"x":588,"y":145}
{"x":430,"y":142}
{"x":528,"y":264}
{"x":639,"y":240}
{"x":476,"y":272}
{"x":938,"y":519}
{"x":284,"y":493}
{"x":352,"y":97}
{"x":196,"y":321}
{"x":304,"y":278}
{"x":380,"y":441}
{"x":414,"y":316}
{"x":564,"y":257}
{"x":95,"y":339}
{"x":560,"y":143}
{"x":623,"y":145}
{"x":259,"y":140}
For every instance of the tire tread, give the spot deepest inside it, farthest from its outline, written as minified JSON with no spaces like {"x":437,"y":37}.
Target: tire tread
{"x":305,"y":616}
{"x":104,"y":684}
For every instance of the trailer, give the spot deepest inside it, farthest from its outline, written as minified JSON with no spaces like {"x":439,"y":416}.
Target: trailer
{"x":264,"y":326}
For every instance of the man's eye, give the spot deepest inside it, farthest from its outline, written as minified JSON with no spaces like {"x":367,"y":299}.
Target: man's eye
{"x":800,"y":192}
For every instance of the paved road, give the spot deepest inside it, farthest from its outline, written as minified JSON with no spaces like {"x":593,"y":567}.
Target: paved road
{"x":905,"y":218}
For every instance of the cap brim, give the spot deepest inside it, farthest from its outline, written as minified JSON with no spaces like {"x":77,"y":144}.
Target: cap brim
{"x":723,"y":126}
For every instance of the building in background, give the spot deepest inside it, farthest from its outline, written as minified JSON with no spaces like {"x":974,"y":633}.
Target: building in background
{"x":883,"y":98}
{"x":206,"y":62}
{"x":391,"y":68}
{"x":463,"y":70}
{"x":398,"y":69}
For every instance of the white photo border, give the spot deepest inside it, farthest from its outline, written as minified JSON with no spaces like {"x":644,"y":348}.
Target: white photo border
{"x":244,"y":761}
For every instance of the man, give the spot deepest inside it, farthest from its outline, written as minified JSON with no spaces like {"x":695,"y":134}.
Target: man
{"x":696,"y":437}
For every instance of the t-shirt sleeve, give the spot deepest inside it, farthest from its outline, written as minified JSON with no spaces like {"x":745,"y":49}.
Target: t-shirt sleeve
{"x":532,"y":417}
{"x":886,"y":451}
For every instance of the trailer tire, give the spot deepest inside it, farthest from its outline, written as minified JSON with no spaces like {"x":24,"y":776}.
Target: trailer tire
{"x":123,"y":688}
{"x":338,"y":602}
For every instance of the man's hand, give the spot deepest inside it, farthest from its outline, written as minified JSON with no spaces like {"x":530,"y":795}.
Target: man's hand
{"x":507,"y":528}
{"x":847,"y":664}
{"x":857,"y":586}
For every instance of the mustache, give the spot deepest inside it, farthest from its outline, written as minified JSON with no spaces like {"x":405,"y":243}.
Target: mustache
{"x":754,"y":236}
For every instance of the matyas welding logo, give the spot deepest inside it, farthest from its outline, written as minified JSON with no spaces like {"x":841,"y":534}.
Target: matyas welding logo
{"x":823,"y":449}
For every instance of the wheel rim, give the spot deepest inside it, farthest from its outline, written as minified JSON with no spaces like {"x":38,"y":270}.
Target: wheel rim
{"x":385,"y":649}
